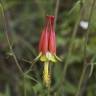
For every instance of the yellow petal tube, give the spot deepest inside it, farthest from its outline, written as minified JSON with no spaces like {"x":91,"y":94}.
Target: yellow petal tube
{"x":46,"y":75}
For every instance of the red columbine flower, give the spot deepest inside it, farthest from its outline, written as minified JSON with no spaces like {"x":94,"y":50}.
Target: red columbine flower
{"x":47,"y":41}
{"x":47,"y":47}
{"x":47,"y":44}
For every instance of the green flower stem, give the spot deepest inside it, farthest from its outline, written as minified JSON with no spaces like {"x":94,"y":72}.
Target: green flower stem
{"x":81,"y":80}
{"x":7,"y":29}
{"x":70,"y":48}
{"x":56,"y":12}
{"x":85,"y":52}
{"x":25,"y":91}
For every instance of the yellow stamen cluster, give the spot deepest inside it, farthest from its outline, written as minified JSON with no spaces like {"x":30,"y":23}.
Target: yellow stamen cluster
{"x":46,"y":58}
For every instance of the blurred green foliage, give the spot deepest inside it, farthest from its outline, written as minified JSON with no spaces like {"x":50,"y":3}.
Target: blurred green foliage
{"x":26,"y":20}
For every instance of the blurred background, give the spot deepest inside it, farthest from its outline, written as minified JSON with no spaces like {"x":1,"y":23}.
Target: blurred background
{"x":21,"y":23}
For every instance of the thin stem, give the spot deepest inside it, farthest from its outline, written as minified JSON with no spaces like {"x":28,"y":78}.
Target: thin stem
{"x":56,"y":12}
{"x":68,"y":56}
{"x":81,"y":80}
{"x":70,"y":47}
{"x":30,"y":68}
{"x":85,"y":53}
{"x":7,"y":29}
{"x":25,"y":93}
{"x":69,"y":52}
{"x":34,"y":61}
